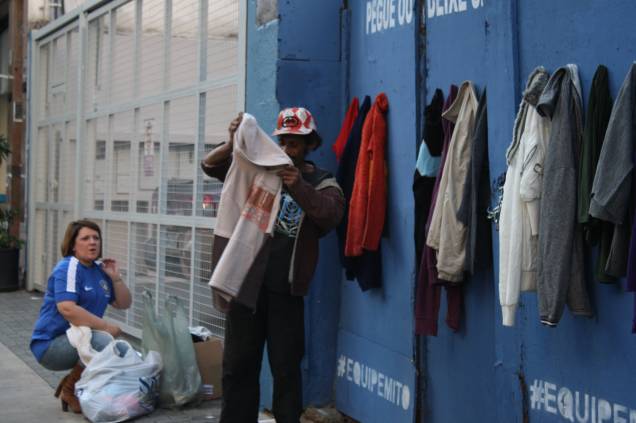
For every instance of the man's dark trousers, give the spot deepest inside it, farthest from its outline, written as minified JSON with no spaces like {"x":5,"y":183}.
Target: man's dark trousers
{"x":279,"y":321}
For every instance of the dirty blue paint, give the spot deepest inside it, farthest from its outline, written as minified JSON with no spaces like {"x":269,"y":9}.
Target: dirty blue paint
{"x":459,"y":367}
{"x":288,"y":65}
{"x":320,"y":84}
{"x":309,"y":31}
{"x":282,"y":71}
{"x":261,"y":102}
{"x":376,"y":327}
{"x":260,"y":83}
{"x":498,"y":46}
{"x":593,"y":356}
{"x":307,"y":74}
{"x":276,"y":78}
{"x":369,"y":386}
{"x":485,"y":370}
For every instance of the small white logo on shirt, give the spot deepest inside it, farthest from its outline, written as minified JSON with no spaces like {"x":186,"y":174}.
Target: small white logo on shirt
{"x":88,"y":288}
{"x":105,"y":287}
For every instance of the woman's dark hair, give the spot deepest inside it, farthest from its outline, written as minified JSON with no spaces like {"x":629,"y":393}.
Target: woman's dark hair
{"x":72,"y":230}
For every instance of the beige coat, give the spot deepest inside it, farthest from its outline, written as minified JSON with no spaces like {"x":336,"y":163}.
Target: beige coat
{"x":447,"y":234}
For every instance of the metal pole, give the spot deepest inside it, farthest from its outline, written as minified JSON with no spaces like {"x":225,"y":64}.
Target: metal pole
{"x":16,"y":122}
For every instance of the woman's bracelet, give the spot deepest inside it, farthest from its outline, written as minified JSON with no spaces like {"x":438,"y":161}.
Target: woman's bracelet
{"x":118,"y":280}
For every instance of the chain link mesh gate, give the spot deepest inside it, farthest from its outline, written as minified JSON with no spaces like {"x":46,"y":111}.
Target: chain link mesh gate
{"x":126,"y":98}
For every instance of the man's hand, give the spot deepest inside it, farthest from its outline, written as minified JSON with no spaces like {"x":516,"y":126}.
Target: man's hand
{"x":234,"y":126}
{"x":290,"y":175}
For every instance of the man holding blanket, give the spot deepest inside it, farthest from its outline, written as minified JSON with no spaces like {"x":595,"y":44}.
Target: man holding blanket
{"x":266,"y":305}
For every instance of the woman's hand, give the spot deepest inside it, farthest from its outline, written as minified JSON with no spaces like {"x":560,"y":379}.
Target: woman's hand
{"x":110,"y":267}
{"x":123,"y":298}
{"x":114,"y":330}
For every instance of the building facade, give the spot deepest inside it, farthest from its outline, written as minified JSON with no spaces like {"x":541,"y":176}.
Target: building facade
{"x":148,"y":88}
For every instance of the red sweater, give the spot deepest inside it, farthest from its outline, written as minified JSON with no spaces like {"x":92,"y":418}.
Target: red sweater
{"x":367,"y":208}
{"x":339,"y":146}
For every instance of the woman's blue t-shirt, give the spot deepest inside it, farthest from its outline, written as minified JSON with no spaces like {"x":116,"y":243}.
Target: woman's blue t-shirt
{"x":88,"y":286}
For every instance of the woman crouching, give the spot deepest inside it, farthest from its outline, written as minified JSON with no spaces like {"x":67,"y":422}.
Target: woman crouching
{"x":78,"y":291}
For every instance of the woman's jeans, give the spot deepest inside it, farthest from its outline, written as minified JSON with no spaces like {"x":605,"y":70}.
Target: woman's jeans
{"x":61,"y":355}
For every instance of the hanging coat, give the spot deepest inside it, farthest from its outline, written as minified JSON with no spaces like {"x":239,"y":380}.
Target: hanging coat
{"x":447,"y":234}
{"x":612,"y":192}
{"x":428,"y":294}
{"x":350,"y":118}
{"x":561,"y":275}
{"x":366,"y":269}
{"x":519,"y":218}
{"x":596,"y":119}
{"x":427,"y":166}
{"x":367,"y":207}
{"x":612,"y":187}
{"x":472,"y":210}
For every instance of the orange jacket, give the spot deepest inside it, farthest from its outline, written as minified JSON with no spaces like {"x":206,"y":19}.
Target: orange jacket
{"x":367,"y":207}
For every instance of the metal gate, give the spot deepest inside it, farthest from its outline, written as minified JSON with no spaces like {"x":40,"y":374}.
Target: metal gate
{"x":125,"y":99}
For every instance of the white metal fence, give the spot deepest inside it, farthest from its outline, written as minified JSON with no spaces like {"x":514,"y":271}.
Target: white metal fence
{"x":126,"y":97}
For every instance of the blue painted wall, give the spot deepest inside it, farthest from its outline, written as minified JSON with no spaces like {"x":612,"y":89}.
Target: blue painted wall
{"x":459,"y":366}
{"x":308,"y":75}
{"x":260,"y":79}
{"x":592,"y":356}
{"x":376,"y":327}
{"x":319,"y":56}
{"x":498,"y":44}
{"x":261,"y":102}
{"x":292,"y":64}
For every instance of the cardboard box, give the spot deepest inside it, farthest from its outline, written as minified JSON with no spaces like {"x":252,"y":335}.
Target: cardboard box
{"x":210,"y":361}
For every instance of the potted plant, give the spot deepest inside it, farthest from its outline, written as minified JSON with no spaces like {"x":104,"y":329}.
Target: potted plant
{"x":9,"y":244}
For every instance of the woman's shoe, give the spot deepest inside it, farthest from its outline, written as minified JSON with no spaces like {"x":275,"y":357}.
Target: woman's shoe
{"x":58,"y":390}
{"x":66,"y":390}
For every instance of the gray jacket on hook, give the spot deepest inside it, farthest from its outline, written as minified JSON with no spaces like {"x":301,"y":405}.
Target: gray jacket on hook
{"x":560,"y":277}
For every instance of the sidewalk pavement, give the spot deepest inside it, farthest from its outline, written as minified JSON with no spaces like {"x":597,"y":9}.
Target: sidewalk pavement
{"x":19,"y":390}
{"x":26,"y":388}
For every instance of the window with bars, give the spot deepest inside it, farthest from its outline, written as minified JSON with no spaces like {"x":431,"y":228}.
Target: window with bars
{"x":156,"y":91}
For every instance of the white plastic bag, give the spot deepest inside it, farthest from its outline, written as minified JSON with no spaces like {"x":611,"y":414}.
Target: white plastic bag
{"x":201,"y":332}
{"x":118,"y":384}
